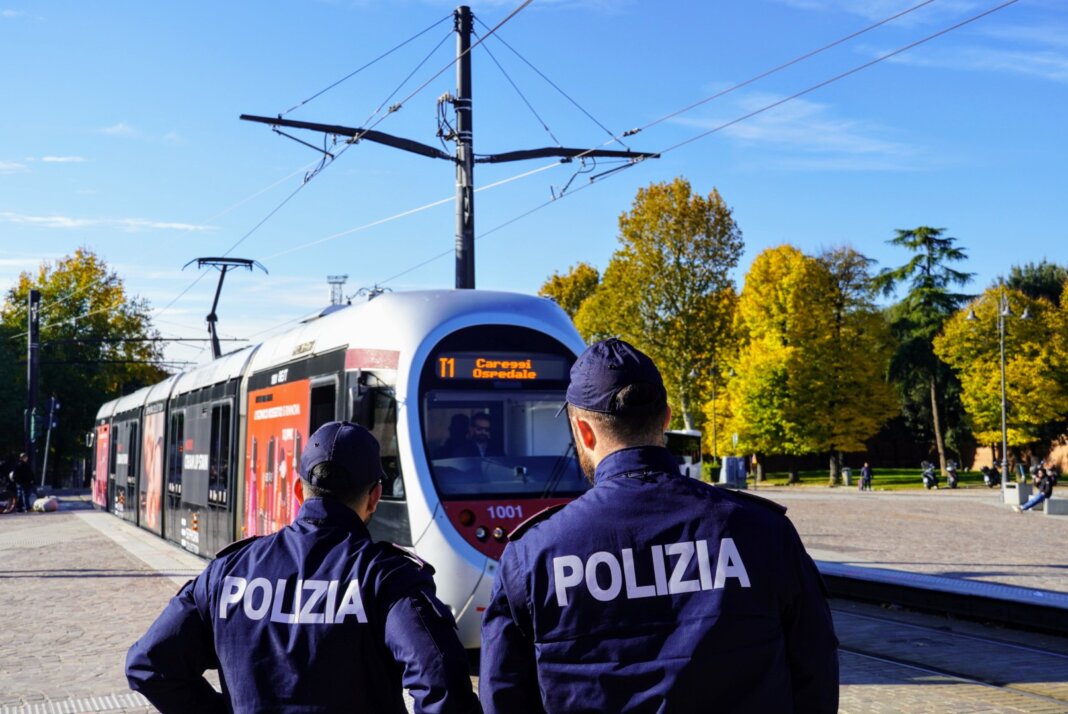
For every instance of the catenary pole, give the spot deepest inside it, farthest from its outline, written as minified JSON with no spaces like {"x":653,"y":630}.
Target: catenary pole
{"x":465,"y":164}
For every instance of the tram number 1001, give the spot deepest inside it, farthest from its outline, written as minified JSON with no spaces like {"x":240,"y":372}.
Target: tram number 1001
{"x":505,"y":511}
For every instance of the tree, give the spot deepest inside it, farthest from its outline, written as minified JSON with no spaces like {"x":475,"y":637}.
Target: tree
{"x":572,"y":288}
{"x":857,"y":397}
{"x":84,"y":308}
{"x":810,"y":376}
{"x":1036,"y":368}
{"x":783,"y":332}
{"x":920,"y":315}
{"x":667,"y":288}
{"x":1042,"y":280}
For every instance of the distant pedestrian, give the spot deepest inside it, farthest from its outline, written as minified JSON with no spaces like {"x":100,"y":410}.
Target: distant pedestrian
{"x":8,"y":491}
{"x":865,"y":477}
{"x":23,"y":473}
{"x":1043,"y":490}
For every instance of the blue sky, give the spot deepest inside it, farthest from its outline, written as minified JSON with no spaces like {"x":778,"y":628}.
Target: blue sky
{"x":120,"y":132}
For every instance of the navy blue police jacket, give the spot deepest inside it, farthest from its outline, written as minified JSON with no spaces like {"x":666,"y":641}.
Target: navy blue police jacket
{"x":653,"y":592}
{"x":314,"y":618}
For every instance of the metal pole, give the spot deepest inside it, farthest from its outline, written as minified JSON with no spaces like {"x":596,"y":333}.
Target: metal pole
{"x":1002,"y":309}
{"x":465,"y":157}
{"x":48,"y":441}
{"x":715,"y":447}
{"x":32,"y":372}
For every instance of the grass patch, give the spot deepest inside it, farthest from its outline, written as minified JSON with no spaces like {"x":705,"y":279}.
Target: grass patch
{"x":882,"y":479}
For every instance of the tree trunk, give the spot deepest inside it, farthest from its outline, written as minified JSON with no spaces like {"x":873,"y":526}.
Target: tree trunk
{"x":937,"y":427}
{"x":687,"y":417}
{"x":835,"y":470}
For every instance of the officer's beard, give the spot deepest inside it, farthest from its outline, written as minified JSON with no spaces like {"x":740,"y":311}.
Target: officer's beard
{"x":585,"y":461}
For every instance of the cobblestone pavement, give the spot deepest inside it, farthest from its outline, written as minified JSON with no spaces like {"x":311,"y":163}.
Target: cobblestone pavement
{"x":78,"y":587}
{"x":968,"y":534}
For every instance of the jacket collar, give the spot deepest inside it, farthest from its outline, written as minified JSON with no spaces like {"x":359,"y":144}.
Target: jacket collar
{"x":323,"y":511}
{"x":636,"y":460}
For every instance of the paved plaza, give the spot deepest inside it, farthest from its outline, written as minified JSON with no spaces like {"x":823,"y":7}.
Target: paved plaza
{"x":77,"y":587}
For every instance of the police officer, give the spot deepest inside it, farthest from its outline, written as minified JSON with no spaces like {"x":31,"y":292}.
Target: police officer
{"x":316,"y":617}
{"x":652,"y":592}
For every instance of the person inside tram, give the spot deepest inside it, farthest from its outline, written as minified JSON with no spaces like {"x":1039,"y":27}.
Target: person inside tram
{"x":479,"y":437}
{"x":455,"y":445}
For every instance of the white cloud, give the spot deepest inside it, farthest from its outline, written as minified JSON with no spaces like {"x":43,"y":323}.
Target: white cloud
{"x":120,"y":129}
{"x":882,"y":9}
{"x":131,"y":225}
{"x":63,"y":159}
{"x":806,"y":134}
{"x":11,"y":167}
{"x":1044,"y":63}
{"x":11,"y":14}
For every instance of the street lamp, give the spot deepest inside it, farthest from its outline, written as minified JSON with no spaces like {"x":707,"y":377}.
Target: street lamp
{"x":1003,"y":312}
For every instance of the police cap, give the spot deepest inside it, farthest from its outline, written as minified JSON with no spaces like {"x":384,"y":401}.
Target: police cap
{"x":604,"y":369}
{"x":351,"y":448}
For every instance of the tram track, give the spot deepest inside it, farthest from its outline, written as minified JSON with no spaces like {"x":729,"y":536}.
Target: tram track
{"x":958,"y":677}
{"x":958,"y":651}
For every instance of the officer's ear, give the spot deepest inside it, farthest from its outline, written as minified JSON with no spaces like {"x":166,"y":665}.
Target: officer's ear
{"x":373,"y":497}
{"x":585,"y":433}
{"x":667,"y":418}
{"x":298,"y":491}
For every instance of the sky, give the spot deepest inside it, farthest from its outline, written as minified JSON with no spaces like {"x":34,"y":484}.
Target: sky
{"x":120,"y":132}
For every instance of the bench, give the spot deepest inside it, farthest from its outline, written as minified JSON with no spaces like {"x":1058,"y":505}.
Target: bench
{"x":1056,"y":506}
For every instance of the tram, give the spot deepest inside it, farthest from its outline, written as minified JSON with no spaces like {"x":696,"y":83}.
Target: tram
{"x":460,"y":387}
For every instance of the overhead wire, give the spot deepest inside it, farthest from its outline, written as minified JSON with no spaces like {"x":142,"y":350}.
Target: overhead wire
{"x":781,"y":67}
{"x":452,"y":63}
{"x":843,"y":75}
{"x":352,"y":74}
{"x":356,"y":138}
{"x":518,"y":91}
{"x":564,"y":94}
{"x":676,"y":113}
{"x":749,"y":115}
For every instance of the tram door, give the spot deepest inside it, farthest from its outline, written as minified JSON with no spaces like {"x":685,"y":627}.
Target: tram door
{"x":150,"y":485}
{"x":173,"y":468}
{"x":286,"y":405}
{"x":101,"y":497}
{"x":122,"y":469}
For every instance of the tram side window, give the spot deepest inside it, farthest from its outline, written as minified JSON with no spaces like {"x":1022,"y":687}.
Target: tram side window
{"x":113,"y":455}
{"x":323,"y":401}
{"x":220,"y":446}
{"x":131,"y":465}
{"x":377,"y":412}
{"x":175,"y":448}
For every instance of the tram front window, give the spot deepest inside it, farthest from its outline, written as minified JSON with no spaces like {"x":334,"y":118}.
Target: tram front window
{"x":500,"y":443}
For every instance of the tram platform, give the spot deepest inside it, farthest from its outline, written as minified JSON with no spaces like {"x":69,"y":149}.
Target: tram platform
{"x":79,"y":586}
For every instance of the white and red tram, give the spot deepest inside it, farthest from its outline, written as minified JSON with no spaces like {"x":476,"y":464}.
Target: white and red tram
{"x":210,"y":455}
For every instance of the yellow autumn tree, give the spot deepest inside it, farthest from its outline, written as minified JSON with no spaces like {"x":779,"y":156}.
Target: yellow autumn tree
{"x":572,"y":288}
{"x":667,"y":289}
{"x":1036,"y":365}
{"x":810,"y":375}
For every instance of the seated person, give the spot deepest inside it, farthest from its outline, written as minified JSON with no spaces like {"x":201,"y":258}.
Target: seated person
{"x":456,"y":444}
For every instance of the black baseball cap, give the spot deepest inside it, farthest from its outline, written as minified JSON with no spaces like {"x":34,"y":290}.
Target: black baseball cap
{"x":350,"y":447}
{"x":604,"y":369}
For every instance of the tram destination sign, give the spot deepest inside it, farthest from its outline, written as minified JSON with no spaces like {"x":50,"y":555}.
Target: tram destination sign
{"x":500,"y":366}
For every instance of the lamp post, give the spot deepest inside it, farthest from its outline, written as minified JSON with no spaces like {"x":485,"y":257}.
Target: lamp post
{"x":1003,"y":312}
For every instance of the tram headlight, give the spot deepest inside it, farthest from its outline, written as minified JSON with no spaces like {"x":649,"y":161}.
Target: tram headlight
{"x":480,"y":533}
{"x":467,"y":517}
{"x":498,"y":533}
